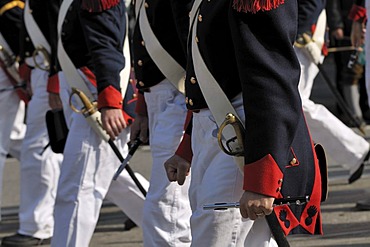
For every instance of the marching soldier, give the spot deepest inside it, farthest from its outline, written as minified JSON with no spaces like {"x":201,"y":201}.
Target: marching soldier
{"x":340,"y":142}
{"x":246,"y":48}
{"x":159,"y":62}
{"x":91,"y":38}
{"x":12,"y":87}
{"x":40,"y":166}
{"x":359,"y":36}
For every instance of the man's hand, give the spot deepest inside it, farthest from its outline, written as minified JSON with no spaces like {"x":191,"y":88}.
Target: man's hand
{"x":253,"y":205}
{"x":358,"y":32}
{"x":177,"y":169}
{"x":113,"y":121}
{"x":139,"y":128}
{"x":54,"y":101}
{"x":338,"y":33}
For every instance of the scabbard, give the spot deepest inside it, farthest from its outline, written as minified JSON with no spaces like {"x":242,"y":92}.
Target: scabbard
{"x":276,"y":230}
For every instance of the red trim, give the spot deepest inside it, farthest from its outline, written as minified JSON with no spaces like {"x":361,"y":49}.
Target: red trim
{"x":89,"y":75}
{"x":184,"y":150}
{"x":53,"y":84}
{"x":141,"y":108}
{"x":110,"y":97}
{"x":254,"y":6}
{"x":308,"y":220}
{"x":263,"y":177}
{"x":357,"y":13}
{"x":286,"y":218}
{"x":128,"y":118}
{"x":98,"y":5}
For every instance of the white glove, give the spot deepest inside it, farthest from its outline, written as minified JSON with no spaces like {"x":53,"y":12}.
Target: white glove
{"x":313,"y":49}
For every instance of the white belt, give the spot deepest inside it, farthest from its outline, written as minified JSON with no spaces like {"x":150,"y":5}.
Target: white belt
{"x":37,"y":38}
{"x":217,"y":101}
{"x":169,"y":67}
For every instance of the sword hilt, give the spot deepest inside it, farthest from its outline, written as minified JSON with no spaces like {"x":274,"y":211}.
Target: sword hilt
{"x":234,"y":146}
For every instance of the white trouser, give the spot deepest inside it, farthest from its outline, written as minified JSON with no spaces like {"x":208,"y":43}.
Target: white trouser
{"x":39,"y":168}
{"x":12,"y":127}
{"x":86,"y":179}
{"x":166,"y":209}
{"x":340,"y":142}
{"x":217,"y":178}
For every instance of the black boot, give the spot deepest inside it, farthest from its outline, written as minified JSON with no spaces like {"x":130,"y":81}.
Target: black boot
{"x":20,"y":240}
{"x":129,"y":224}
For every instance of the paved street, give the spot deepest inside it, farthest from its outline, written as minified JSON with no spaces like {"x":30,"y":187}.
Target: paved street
{"x":343,"y":225}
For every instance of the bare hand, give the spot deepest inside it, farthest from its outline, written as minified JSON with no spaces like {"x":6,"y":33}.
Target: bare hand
{"x":177,"y":169}
{"x":358,"y":34}
{"x":338,"y":33}
{"x":139,"y":128}
{"x":253,"y":205}
{"x":54,"y":101}
{"x":113,"y":121}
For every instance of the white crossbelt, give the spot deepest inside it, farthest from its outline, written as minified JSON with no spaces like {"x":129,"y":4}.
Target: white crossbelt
{"x":37,"y":37}
{"x":319,"y":34}
{"x":217,"y":101}
{"x":13,"y":70}
{"x":169,"y":67}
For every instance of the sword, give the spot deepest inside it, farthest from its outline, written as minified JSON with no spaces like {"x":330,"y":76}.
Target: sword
{"x":342,"y":104}
{"x":93,"y":117}
{"x":13,"y":87}
{"x":124,"y":164}
{"x":299,"y":200}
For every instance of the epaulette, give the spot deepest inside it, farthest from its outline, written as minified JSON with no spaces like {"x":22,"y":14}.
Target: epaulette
{"x":10,"y":5}
{"x":98,"y":5}
{"x":253,"y":6}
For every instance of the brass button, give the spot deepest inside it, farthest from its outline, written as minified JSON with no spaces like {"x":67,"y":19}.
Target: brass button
{"x":193,"y":80}
{"x":142,"y":43}
{"x":280,"y":181}
{"x":191,"y":102}
{"x":121,"y":102}
{"x":141,"y":84}
{"x":27,"y":39}
{"x":186,"y":100}
{"x":200,"y":18}
{"x":27,"y":54}
{"x":134,"y":96}
{"x":196,"y":39}
{"x":140,"y":62}
{"x":278,"y":189}
{"x":146,"y":5}
{"x":293,"y":161}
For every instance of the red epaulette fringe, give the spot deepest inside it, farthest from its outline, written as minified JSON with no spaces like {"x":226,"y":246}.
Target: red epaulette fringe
{"x":254,"y":6}
{"x":98,"y":5}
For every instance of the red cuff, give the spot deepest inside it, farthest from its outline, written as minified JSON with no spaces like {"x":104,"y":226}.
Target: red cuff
{"x":184,"y":149}
{"x":263,"y":177}
{"x":53,"y":84}
{"x":110,"y":97}
{"x":357,"y":13}
{"x":140,"y":108}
